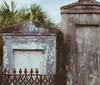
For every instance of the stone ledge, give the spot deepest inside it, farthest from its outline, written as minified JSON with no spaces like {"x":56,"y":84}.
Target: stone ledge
{"x":28,"y":34}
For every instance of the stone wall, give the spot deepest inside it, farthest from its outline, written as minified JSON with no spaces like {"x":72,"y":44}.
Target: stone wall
{"x":81,"y":29}
{"x":45,"y":43}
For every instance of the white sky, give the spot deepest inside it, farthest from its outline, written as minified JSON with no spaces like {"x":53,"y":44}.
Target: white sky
{"x":52,"y":7}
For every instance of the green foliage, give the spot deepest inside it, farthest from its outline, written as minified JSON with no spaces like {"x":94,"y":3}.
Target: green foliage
{"x":38,"y":14}
{"x":9,"y":15}
{"x":49,"y":23}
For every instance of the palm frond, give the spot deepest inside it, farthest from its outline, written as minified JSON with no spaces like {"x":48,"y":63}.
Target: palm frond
{"x":10,"y":16}
{"x":13,"y":6}
{"x":4,"y":9}
{"x":38,"y":14}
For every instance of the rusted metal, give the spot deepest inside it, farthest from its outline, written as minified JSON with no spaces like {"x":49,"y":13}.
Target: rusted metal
{"x":25,"y":78}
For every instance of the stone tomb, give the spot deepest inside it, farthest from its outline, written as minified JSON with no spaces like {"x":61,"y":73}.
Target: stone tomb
{"x":31,"y":49}
{"x":81,"y":29}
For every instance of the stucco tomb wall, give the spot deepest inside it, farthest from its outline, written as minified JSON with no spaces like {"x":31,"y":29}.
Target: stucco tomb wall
{"x":45,"y":43}
{"x":81,"y":29}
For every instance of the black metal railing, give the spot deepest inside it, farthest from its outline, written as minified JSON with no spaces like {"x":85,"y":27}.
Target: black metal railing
{"x":25,"y":78}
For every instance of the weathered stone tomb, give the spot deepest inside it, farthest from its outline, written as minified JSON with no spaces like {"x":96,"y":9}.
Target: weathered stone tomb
{"x":28,"y":45}
{"x":81,"y":29}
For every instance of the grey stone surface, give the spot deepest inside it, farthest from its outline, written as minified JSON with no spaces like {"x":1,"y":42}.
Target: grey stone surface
{"x":24,"y":27}
{"x":28,"y":35}
{"x":30,"y":42}
{"x":81,"y":30}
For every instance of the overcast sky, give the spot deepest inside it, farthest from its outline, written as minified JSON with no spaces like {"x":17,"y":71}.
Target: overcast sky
{"x":52,"y":7}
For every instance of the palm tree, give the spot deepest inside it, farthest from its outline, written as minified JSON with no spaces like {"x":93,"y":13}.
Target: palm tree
{"x":37,"y":14}
{"x":8,"y":16}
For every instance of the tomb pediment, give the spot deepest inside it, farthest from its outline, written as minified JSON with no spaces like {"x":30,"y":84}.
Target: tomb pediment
{"x":82,"y":7}
{"x":24,"y":27}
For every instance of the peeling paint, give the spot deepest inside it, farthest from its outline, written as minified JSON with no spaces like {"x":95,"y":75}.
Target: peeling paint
{"x":41,"y":42}
{"x":70,"y":79}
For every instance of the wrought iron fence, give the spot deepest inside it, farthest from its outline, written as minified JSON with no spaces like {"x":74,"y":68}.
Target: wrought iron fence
{"x":25,"y":78}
